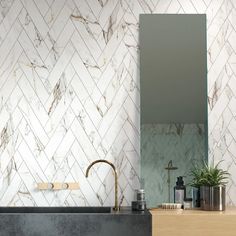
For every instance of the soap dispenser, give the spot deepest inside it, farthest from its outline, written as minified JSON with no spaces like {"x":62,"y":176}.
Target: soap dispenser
{"x":179,"y":191}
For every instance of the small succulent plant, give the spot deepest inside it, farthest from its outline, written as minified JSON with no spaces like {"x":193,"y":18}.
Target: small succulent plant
{"x":208,"y":175}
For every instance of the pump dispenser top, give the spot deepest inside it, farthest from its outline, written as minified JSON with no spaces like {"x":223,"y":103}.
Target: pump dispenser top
{"x":180,"y":181}
{"x":179,"y":190}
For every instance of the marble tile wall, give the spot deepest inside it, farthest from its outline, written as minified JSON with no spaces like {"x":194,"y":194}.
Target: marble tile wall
{"x":184,"y":144}
{"x":69,"y":94}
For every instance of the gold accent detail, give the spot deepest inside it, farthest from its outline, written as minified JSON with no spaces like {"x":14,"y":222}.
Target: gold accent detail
{"x":116,"y":207}
{"x":57,"y":186}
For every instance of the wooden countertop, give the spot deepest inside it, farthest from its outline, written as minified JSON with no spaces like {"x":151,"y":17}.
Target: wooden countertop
{"x":159,"y":211}
{"x":193,"y":222}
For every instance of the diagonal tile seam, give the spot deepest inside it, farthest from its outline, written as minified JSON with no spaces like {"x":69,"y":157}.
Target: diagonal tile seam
{"x":88,"y":182}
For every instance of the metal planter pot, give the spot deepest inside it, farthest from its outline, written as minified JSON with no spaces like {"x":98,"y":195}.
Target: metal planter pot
{"x":212,"y":198}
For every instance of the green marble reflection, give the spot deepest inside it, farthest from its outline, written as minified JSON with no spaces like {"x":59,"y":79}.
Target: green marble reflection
{"x":160,"y":143}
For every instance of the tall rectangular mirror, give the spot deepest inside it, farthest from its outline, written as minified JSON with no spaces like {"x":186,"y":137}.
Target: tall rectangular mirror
{"x":173,"y":85}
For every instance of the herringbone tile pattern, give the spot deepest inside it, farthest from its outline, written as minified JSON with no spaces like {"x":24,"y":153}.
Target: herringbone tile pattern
{"x":69,"y":94}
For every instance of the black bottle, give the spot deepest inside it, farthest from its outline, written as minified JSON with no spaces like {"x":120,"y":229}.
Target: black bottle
{"x":179,"y":191}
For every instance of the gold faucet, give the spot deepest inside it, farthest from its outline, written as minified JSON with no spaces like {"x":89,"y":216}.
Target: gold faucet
{"x":116,"y":208}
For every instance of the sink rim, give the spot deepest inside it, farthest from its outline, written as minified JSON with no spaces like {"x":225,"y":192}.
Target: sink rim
{"x":55,"y":210}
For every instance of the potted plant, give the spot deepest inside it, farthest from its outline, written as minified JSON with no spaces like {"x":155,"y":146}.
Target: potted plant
{"x":211,"y":180}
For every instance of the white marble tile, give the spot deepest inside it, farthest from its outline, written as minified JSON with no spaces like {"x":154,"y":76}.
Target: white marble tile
{"x":222,"y":125}
{"x":132,"y":24}
{"x":231,"y":192}
{"x":90,"y":107}
{"x":188,"y":7}
{"x":61,"y":89}
{"x":86,"y":122}
{"x":96,"y":6}
{"x":112,"y":110}
{"x":5,"y":7}
{"x":87,"y":17}
{"x":38,"y":85}
{"x":33,"y":100}
{"x":133,"y":69}
{"x":117,"y":147}
{"x":133,"y":157}
{"x":114,"y":46}
{"x":147,"y":6}
{"x":25,"y":196}
{"x":106,"y":187}
{"x":10,"y":160}
{"x":61,"y":64}
{"x":105,"y":78}
{"x":85,"y":77}
{"x":9,"y":19}
{"x":200,"y":6}
{"x":133,"y":91}
{"x":232,"y":62}
{"x":30,"y":184}
{"x":219,"y":41}
{"x":85,"y":55}
{"x":9,"y":41}
{"x":113,"y":21}
{"x":35,"y":144}
{"x":85,"y":188}
{"x":88,"y":38}
{"x":113,"y":87}
{"x":84,"y":141}
{"x":58,"y":133}
{"x":10,"y":84}
{"x":35,"y":61}
{"x":57,"y":46}
{"x":131,"y":110}
{"x":217,"y":111}
{"x":53,"y":12}
{"x":232,"y":84}
{"x":232,"y":128}
{"x":217,"y":67}
{"x":232,"y":104}
{"x":4,"y":117}
{"x":9,"y":64}
{"x":173,"y":7}
{"x":11,"y":190}
{"x":132,"y":134}
{"x":114,"y":130}
{"x":79,"y":198}
{"x":212,"y":10}
{"x":219,"y":86}
{"x":36,"y":17}
{"x":232,"y":39}
{"x":217,"y":23}
{"x":62,"y":19}
{"x":162,"y":6}
{"x":43,"y":6}
{"x":31,"y":163}
{"x":33,"y":34}
{"x":106,"y":10}
{"x":33,"y":122}
{"x":135,"y":8}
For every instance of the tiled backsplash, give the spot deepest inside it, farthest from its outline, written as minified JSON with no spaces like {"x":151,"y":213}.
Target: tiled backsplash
{"x":69,"y":94}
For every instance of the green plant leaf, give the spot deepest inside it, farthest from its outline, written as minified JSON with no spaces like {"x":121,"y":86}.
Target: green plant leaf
{"x":207,"y":175}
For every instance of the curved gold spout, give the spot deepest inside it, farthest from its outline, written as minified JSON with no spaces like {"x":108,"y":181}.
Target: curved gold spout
{"x":116,"y":208}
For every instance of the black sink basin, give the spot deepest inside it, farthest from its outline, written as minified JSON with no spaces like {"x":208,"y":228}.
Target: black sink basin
{"x":73,"y":221}
{"x":55,"y":209}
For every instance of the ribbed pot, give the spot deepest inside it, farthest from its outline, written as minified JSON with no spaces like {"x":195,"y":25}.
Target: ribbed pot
{"x":212,"y":198}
